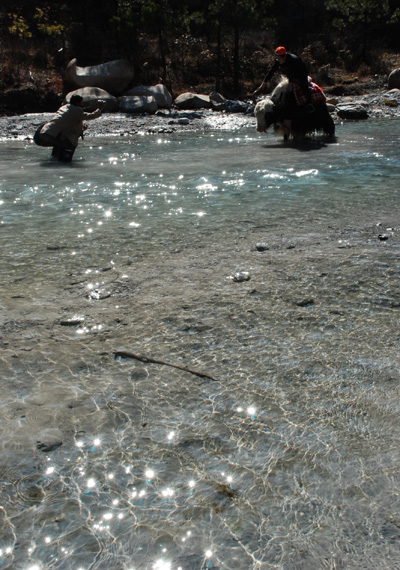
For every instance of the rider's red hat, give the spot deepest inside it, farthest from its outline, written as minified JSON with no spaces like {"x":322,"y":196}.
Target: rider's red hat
{"x":280,"y":50}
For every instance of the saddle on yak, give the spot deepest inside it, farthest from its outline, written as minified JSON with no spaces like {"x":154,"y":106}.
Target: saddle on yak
{"x":317,"y":95}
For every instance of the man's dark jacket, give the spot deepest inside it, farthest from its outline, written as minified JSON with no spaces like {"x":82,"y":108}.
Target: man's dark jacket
{"x":294,"y":69}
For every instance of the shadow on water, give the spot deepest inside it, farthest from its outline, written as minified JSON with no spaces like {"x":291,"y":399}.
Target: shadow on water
{"x":304,"y":146}
{"x":53,"y":163}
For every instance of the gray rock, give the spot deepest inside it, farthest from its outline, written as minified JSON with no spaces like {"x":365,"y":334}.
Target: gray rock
{"x":219,"y":103}
{"x":192,"y":101}
{"x":391,"y":98}
{"x":305,"y":303}
{"x":159,"y":92}
{"x":137,"y":104}
{"x":72,"y":321}
{"x":241,"y":276}
{"x":394,"y":79}
{"x":49,"y":440}
{"x":217,"y":99}
{"x":352,"y":111}
{"x":91,"y":96}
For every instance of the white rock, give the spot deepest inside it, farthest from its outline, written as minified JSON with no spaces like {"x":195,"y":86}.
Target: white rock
{"x":137,"y":104}
{"x":113,"y":76}
{"x":160,"y":93}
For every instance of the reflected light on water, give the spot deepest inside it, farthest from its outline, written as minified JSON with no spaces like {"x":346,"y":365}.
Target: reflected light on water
{"x":184,"y":469}
{"x":162,"y":565}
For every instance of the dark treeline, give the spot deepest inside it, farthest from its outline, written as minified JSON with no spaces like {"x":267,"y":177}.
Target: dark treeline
{"x":219,"y":44}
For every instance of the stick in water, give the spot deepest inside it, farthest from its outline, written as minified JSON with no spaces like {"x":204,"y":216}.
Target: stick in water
{"x":128,"y":354}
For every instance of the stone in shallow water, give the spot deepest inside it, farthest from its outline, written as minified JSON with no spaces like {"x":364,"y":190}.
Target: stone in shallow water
{"x":305,"y":302}
{"x":241,"y":276}
{"x":49,"y":440}
{"x":72,"y":321}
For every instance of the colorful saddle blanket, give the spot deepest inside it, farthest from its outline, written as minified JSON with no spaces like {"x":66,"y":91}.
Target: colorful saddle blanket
{"x":317,"y":95}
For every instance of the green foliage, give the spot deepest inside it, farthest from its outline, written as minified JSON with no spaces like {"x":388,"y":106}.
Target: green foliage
{"x":40,"y":22}
{"x":44,"y":25}
{"x":19,"y":27}
{"x":366,"y":11}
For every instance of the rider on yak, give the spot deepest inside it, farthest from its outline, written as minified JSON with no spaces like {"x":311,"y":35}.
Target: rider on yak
{"x":302,"y":97}
{"x":295,"y":70}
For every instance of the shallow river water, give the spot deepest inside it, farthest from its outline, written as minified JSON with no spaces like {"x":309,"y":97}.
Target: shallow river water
{"x":286,"y":453}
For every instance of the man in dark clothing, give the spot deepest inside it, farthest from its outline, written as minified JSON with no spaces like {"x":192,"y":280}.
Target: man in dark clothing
{"x":293,"y":67}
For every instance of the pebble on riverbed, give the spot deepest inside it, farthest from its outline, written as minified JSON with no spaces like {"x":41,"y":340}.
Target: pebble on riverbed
{"x":240,"y":276}
{"x":72,"y":321}
{"x":49,"y":440}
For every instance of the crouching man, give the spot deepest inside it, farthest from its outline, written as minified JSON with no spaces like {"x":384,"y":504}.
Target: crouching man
{"x":62,"y":132}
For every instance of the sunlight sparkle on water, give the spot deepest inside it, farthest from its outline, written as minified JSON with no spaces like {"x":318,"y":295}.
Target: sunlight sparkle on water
{"x":302,"y":173}
{"x":162,"y":565}
{"x":164,"y":429}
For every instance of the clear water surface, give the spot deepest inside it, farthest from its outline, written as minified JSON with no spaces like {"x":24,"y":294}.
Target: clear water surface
{"x":279,"y":465}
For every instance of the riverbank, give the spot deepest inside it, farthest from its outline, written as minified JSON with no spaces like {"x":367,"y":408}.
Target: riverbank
{"x":379,"y":104}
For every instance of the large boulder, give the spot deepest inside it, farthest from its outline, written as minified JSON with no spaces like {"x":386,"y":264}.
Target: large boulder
{"x":91,"y":96}
{"x":394,"y":79}
{"x":192,"y":101}
{"x":160,"y":93}
{"x":113,"y":76}
{"x":137,"y":104}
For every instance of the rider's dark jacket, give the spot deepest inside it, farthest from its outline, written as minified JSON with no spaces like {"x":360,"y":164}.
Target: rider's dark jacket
{"x":295,"y":71}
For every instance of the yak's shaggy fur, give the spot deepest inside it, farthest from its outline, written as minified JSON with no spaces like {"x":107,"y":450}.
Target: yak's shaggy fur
{"x":268,"y":112}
